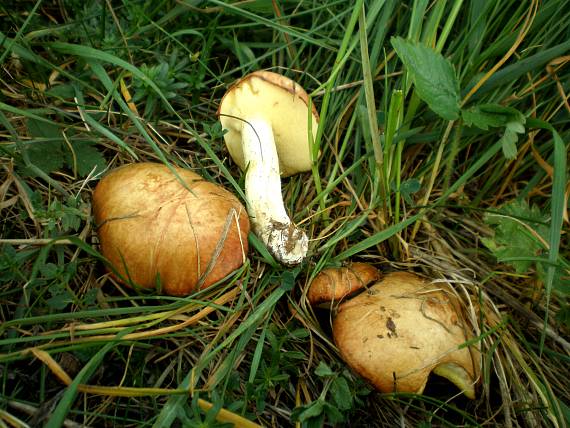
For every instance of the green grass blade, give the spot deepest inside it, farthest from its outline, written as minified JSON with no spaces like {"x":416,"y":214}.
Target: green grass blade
{"x":59,"y":414}
{"x":21,"y":30}
{"x":512,"y":72}
{"x":377,"y":238}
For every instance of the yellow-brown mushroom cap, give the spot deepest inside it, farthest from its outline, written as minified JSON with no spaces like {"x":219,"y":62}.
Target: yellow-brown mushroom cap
{"x":281,"y":102}
{"x":154,"y":230}
{"x":334,"y":284}
{"x":403,"y":328}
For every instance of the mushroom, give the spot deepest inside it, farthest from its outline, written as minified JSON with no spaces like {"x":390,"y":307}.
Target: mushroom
{"x":182,"y":233}
{"x":267,"y":120}
{"x":400,"y":330}
{"x":334,"y":284}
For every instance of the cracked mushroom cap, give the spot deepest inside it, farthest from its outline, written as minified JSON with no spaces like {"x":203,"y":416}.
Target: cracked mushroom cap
{"x":154,"y":230}
{"x":281,"y":102}
{"x":403,"y":328}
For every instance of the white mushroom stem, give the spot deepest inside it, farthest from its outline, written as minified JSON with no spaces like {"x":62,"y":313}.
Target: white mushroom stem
{"x":270,"y":222}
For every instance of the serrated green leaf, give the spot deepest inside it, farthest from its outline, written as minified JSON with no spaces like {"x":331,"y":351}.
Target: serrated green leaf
{"x":515,"y":126}
{"x":49,"y":270}
{"x":87,"y":158}
{"x":485,"y":116}
{"x":475,"y":116}
{"x":518,"y":233}
{"x":509,"y":144}
{"x":409,"y":187}
{"x":59,"y":300}
{"x":44,"y":151}
{"x":46,"y":155}
{"x":433,"y":77}
{"x":41,"y":129}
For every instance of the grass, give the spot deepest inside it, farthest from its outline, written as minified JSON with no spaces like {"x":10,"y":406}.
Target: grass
{"x":476,"y":195}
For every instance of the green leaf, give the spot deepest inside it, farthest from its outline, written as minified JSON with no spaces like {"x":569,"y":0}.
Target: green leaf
{"x":433,"y":77}
{"x":519,"y":230}
{"x":44,"y":151}
{"x":515,"y":126}
{"x":323,"y":370}
{"x":476,"y":116}
{"x":46,"y":155}
{"x":509,"y":144}
{"x":409,"y":187}
{"x":59,"y":299}
{"x":341,"y":394}
{"x":288,"y":279}
{"x":49,"y":270}
{"x":85,"y":158}
{"x":308,"y":411}
{"x":334,"y":415}
{"x":485,"y":116}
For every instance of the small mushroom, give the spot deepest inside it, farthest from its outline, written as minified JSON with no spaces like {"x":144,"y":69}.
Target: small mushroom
{"x":400,"y":330}
{"x":154,"y":230}
{"x":267,"y":119}
{"x":334,"y":284}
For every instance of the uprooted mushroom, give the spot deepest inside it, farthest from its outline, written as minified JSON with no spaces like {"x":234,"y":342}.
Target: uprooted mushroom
{"x":399,"y":330}
{"x":268,"y":123}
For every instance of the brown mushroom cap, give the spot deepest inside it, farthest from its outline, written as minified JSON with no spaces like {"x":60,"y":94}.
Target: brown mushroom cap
{"x":151,"y":228}
{"x":333,"y":284}
{"x":281,"y":102}
{"x":403,"y":328}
